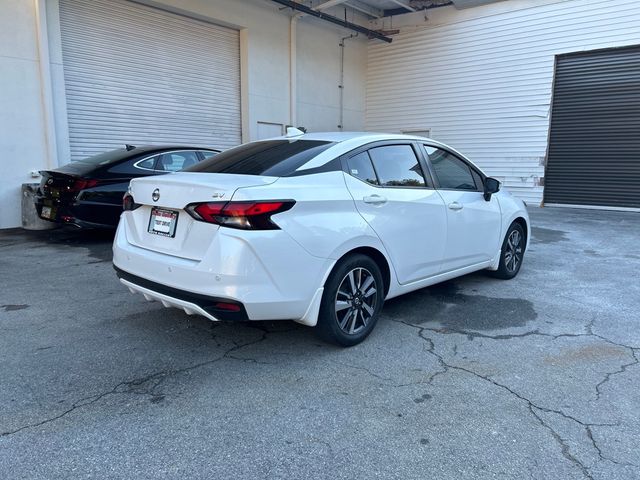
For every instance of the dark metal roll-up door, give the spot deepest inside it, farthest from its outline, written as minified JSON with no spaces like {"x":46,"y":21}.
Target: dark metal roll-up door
{"x":594,"y":142}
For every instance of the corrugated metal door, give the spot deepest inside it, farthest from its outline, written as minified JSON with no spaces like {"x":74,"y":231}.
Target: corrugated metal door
{"x":140,"y":75}
{"x":594,"y":143}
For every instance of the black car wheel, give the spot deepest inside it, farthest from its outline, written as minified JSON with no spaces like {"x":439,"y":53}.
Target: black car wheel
{"x":512,"y":253}
{"x":352,"y":298}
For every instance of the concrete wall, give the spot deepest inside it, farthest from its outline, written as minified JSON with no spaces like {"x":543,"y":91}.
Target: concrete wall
{"x":33,"y":124}
{"x":481,"y":79}
{"x":23,"y":137}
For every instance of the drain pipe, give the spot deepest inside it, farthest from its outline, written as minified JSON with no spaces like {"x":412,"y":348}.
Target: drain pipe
{"x":293,"y":70}
{"x":341,"y":86}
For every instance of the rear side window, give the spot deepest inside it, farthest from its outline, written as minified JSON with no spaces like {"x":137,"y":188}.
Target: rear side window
{"x":206,"y":154}
{"x":397,"y":166}
{"x":451,"y":172}
{"x":135,"y":167}
{"x":277,"y":158}
{"x":176,"y":161}
{"x":148,"y":163}
{"x":360,"y":167}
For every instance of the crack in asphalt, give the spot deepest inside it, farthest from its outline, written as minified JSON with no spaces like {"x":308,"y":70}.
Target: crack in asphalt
{"x":622,"y":369}
{"x":149,"y":384}
{"x":601,"y":454}
{"x":589,"y":329}
{"x":132,"y":386}
{"x":565,"y":449}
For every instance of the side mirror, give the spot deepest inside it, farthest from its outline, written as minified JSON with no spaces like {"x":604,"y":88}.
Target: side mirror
{"x":491,"y":186}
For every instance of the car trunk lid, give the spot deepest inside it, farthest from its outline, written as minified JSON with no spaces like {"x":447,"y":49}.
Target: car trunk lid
{"x":163,"y":198}
{"x":56,"y":185}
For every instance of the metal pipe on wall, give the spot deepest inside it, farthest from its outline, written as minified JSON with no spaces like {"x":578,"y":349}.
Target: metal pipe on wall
{"x":341,"y":86}
{"x":330,"y":18}
{"x":293,"y":80}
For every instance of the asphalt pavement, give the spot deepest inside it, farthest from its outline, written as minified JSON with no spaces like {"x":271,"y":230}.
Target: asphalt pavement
{"x":536,"y":377}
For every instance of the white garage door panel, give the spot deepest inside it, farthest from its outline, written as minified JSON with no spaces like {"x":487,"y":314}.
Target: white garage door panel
{"x":140,"y":75}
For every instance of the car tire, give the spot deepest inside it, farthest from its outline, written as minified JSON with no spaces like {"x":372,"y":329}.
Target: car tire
{"x":352,"y":298}
{"x":512,"y":253}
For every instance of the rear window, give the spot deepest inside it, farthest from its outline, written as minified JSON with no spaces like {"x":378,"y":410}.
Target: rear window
{"x":276,"y":158}
{"x":107,"y":157}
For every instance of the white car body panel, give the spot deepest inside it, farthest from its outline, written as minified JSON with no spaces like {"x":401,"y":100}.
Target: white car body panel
{"x":473,"y":228}
{"x":412,"y":259}
{"x":280,"y":274}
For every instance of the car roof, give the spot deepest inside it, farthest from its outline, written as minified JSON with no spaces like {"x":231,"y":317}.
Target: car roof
{"x":347,"y":141}
{"x":154,"y":148}
{"x":366,"y":137}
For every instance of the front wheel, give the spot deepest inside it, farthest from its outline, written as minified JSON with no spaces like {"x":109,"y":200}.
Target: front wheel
{"x":352,"y":297}
{"x":512,"y":253}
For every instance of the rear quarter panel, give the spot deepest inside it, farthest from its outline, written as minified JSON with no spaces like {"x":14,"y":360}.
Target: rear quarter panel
{"x":324,"y":220}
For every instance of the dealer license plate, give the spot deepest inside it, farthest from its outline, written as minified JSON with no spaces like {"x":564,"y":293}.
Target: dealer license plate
{"x":48,"y":212}
{"x":163,"y":222}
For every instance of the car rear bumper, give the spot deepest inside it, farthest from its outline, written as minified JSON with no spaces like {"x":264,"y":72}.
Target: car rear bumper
{"x":267,"y":287}
{"x":79,"y":214}
{"x":191,"y":303}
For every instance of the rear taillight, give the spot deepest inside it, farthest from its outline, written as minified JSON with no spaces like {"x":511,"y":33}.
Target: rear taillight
{"x":128,"y":203}
{"x":255,"y":215}
{"x":229,"y":307}
{"x":82,"y":184}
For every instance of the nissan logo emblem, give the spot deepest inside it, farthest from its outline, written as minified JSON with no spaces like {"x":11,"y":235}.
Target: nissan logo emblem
{"x":155,"y":195}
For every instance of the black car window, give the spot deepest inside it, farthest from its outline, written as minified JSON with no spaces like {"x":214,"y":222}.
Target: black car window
{"x":175,"y":161}
{"x":128,"y":168}
{"x":397,"y":166}
{"x":451,"y":172}
{"x":360,"y":167}
{"x":277,"y":158}
{"x":106,"y":158}
{"x":148,"y":163}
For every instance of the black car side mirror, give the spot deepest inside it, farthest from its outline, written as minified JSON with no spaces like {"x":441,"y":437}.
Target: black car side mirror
{"x":491,"y":186}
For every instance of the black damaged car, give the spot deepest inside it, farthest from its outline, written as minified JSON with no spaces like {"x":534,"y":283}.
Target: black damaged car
{"x":88,"y":193}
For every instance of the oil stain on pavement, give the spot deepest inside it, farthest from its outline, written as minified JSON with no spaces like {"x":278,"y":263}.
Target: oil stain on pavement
{"x":445,"y":305}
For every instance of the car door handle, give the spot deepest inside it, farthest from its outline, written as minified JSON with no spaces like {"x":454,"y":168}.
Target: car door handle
{"x":374,"y":199}
{"x":456,"y":206}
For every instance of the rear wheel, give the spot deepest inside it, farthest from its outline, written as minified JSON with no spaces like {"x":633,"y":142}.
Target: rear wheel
{"x":352,"y":297}
{"x":512,"y":253}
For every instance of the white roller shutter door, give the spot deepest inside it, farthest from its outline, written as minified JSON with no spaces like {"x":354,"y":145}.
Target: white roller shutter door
{"x":139,"y":75}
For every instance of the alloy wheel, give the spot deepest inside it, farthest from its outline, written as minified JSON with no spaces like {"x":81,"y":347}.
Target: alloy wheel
{"x":355,"y":302}
{"x":513,"y":252}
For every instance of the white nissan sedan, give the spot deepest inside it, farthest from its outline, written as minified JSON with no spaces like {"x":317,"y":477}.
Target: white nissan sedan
{"x":317,"y":228}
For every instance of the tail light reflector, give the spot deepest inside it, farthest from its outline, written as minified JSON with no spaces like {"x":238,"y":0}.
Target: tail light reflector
{"x":255,"y":215}
{"x":83,"y":184}
{"x":128,"y":203}
{"x":230,"y":307}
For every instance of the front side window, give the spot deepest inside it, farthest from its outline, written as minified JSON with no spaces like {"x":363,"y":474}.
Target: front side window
{"x":451,"y":172}
{"x":397,"y":166}
{"x":277,"y":158}
{"x":176,"y":161}
{"x":360,"y":167}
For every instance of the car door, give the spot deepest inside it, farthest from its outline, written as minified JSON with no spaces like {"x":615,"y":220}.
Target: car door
{"x":473,"y":223}
{"x":395,"y":196}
